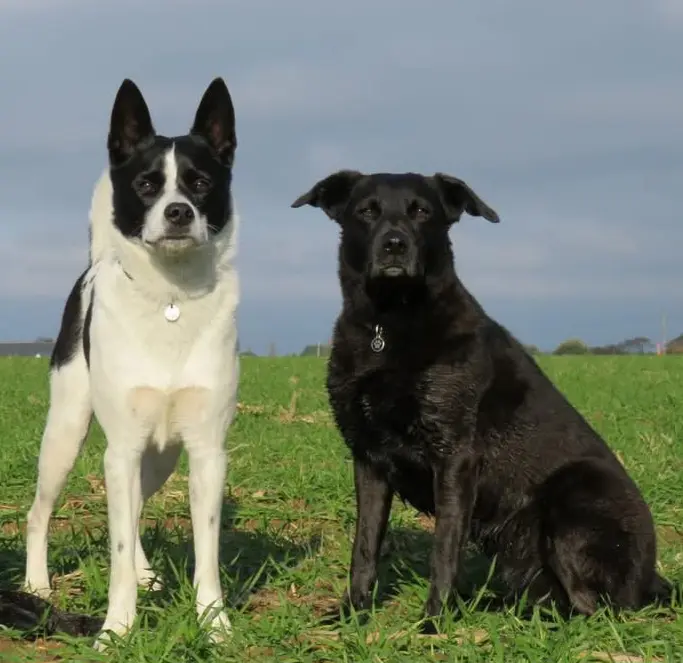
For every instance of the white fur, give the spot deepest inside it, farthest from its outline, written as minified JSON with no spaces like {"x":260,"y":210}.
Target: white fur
{"x":153,"y":385}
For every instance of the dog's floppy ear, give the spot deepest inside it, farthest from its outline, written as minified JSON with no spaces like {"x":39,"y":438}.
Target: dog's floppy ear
{"x":458,"y":197}
{"x":215,"y":121}
{"x":131,"y":124}
{"x":330,"y":194}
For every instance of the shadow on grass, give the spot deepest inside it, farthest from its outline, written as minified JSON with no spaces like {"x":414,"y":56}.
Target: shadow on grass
{"x":251,"y":559}
{"x":406,"y":560}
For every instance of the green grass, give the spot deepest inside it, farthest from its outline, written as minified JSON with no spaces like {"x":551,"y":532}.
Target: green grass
{"x":289,"y":519}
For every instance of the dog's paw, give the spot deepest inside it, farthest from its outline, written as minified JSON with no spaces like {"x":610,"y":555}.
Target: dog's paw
{"x":429,"y":626}
{"x":104,"y":639}
{"x":148,"y":579}
{"x":118,"y":627}
{"x":102,"y":642}
{"x":219,"y":628}
{"x":39,"y":588}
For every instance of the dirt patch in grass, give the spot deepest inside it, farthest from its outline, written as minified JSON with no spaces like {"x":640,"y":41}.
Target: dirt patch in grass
{"x":608,"y":657}
{"x":289,"y":414}
{"x":670,"y":535}
{"x":460,"y":636}
{"x":40,"y":651}
{"x":264,"y":600}
{"x":426,"y":522}
{"x":243,"y":408}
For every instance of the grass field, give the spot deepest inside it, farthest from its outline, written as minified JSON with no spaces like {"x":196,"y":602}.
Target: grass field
{"x":288,"y":522}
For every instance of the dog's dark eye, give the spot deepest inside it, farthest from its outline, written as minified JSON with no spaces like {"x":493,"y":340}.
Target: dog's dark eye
{"x":146,"y":187}
{"x":201,"y":185}
{"x":419,"y":211}
{"x":369,"y":213}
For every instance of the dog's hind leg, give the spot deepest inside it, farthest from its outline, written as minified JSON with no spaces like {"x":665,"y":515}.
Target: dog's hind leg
{"x":67,"y":425}
{"x":157,"y":466}
{"x":600,"y":536}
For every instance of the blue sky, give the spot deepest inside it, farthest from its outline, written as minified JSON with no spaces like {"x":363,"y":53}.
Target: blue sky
{"x":566,"y":117}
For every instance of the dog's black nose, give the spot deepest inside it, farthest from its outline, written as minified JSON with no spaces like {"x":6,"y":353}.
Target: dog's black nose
{"x":394,"y":243}
{"x":179,"y":214}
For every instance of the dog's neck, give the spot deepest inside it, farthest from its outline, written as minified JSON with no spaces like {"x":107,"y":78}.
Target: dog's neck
{"x":441,"y":302}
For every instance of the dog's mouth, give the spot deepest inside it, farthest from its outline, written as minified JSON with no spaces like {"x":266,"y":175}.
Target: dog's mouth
{"x":174,"y":243}
{"x":392,"y":271}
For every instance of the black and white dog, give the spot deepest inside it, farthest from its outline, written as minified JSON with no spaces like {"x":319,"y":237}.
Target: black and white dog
{"x":440,"y":405}
{"x":148,"y":344}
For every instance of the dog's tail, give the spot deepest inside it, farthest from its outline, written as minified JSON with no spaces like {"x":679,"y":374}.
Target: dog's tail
{"x":36,"y":617}
{"x":663,"y":593}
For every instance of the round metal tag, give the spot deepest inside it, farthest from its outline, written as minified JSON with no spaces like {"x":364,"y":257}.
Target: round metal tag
{"x":171,"y":313}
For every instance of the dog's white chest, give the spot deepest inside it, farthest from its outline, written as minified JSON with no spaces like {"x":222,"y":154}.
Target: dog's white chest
{"x":164,"y":365}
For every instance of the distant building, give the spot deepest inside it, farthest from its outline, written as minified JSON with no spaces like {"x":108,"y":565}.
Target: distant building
{"x":27,"y":349}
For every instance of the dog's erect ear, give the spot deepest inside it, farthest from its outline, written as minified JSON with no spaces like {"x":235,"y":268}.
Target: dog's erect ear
{"x":458,"y":197}
{"x":330,"y":194}
{"x":131,"y":124}
{"x":215,"y":121}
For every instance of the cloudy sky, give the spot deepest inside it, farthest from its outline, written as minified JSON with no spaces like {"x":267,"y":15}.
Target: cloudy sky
{"x":566,"y":117}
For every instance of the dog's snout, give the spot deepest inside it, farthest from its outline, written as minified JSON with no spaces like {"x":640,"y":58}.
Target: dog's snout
{"x":179,"y":214}
{"x":394,"y":243}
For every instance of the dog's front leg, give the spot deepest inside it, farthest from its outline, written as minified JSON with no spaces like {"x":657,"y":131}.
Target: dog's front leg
{"x":373,"y":506}
{"x":208,"y":464}
{"x":455,"y":480}
{"x":122,"y":478}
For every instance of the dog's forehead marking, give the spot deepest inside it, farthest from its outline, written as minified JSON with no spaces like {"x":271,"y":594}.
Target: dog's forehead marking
{"x":170,"y":169}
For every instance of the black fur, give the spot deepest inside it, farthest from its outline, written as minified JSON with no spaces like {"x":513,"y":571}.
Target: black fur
{"x":205,"y":156}
{"x":37,"y":617}
{"x":458,"y":420}
{"x":70,"y":329}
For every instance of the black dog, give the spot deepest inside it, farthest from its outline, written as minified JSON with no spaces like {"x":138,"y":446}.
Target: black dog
{"x":441,"y":405}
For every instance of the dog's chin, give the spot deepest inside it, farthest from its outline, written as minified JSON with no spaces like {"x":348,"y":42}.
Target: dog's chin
{"x":393,"y":272}
{"x":394,"y":285}
{"x":174,"y":247}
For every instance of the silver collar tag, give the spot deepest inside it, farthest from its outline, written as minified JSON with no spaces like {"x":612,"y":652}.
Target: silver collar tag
{"x":377,"y":344}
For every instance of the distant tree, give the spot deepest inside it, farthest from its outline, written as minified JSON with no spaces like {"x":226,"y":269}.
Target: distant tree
{"x":572,"y":346}
{"x":44,"y":339}
{"x":272,"y":350}
{"x":606,"y":350}
{"x":248,"y":353}
{"x":675,"y":347}
{"x":637,"y":345}
{"x":532,"y":349}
